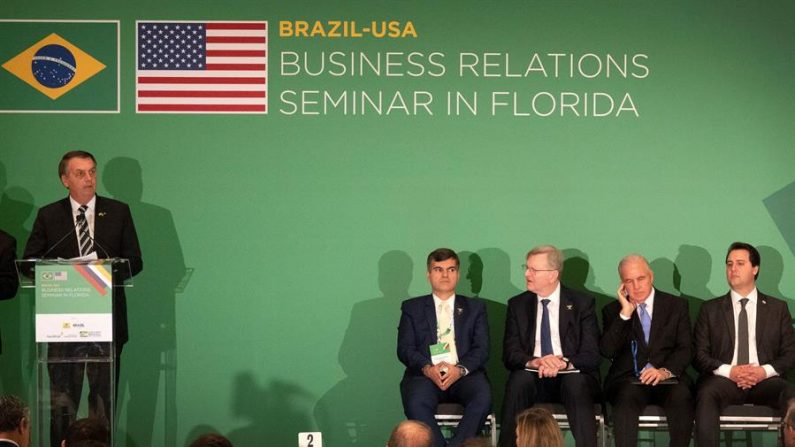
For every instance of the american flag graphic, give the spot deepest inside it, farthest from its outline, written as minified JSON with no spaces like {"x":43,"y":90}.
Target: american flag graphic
{"x":201,"y":67}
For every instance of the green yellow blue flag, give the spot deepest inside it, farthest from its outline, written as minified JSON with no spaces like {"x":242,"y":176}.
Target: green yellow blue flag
{"x":53,"y":66}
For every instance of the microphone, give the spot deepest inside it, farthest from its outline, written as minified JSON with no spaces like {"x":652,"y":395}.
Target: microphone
{"x":97,"y":244}
{"x":55,"y":245}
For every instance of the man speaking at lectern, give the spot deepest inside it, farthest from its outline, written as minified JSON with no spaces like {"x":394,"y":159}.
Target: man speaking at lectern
{"x":84,"y":225}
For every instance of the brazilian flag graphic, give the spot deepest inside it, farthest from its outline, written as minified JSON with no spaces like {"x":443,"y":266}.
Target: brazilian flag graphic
{"x":59,"y":66}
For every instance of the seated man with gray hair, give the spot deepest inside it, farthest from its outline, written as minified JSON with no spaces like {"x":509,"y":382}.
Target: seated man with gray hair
{"x":551,"y":332}
{"x":647,"y":337}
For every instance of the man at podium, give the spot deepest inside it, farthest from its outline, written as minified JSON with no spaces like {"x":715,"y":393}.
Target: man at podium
{"x":84,"y":225}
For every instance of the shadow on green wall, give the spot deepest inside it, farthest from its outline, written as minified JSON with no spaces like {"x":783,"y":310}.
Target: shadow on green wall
{"x":149,"y":362}
{"x":770,"y":272}
{"x":781,"y":206}
{"x":362,"y":408}
{"x":489,"y":271}
{"x":693,"y":268}
{"x":18,"y":357}
{"x":579,"y":275}
{"x":276,"y":413}
{"x":666,"y":277}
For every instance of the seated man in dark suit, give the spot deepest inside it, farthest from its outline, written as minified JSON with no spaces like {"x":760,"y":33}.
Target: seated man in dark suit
{"x":9,"y":281}
{"x":744,"y":346}
{"x":647,"y":337}
{"x":443,"y":339}
{"x":14,"y":422}
{"x":551,"y":329}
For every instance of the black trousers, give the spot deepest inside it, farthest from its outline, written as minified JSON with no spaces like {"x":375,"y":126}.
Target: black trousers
{"x":421,"y":396}
{"x":66,"y":384}
{"x":577,"y":393}
{"x":628,"y":401}
{"x":717,"y":392}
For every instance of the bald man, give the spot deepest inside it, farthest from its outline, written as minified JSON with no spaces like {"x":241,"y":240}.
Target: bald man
{"x":411,"y":434}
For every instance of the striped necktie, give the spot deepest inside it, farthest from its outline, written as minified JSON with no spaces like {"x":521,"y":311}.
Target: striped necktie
{"x":83,"y":236}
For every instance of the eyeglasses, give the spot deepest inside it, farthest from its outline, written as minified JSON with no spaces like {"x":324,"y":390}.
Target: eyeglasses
{"x":533,"y":271}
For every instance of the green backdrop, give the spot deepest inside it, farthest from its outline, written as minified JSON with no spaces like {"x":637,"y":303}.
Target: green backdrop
{"x":277,"y":247}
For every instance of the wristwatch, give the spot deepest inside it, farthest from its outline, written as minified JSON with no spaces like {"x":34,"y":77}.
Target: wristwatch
{"x":464,"y":370}
{"x":568,"y":362}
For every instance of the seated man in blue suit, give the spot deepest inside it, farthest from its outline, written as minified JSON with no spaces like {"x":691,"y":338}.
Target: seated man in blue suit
{"x":443,"y":339}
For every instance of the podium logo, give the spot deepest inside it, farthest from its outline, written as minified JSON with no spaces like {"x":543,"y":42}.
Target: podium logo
{"x":67,"y":325}
{"x":54,"y":276}
{"x":53,"y":66}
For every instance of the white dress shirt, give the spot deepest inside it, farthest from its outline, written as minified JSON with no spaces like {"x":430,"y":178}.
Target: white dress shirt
{"x":649,"y":308}
{"x":90,"y":212}
{"x":753,"y":356}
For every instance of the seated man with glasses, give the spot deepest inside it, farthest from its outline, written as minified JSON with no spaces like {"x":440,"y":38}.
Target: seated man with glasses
{"x":551,"y":348}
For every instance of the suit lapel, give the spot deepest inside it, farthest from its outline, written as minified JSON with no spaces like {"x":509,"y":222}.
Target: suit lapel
{"x":659,"y":317}
{"x":728,"y":318}
{"x":99,"y":224}
{"x":430,"y":315}
{"x":458,"y":318}
{"x":69,"y":224}
{"x":532,"y":306}
{"x":762,"y":316}
{"x":637,"y":329}
{"x":566,"y":315}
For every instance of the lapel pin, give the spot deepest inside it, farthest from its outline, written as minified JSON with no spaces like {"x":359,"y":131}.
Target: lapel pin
{"x":764,"y":302}
{"x":101,"y":214}
{"x":569,"y":306}
{"x":459,"y":311}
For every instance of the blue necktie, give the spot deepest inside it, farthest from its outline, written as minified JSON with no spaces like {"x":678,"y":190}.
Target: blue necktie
{"x":645,"y":322}
{"x":546,"y":333}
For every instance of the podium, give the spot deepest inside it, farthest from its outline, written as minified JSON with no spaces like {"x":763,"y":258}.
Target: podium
{"x":74,"y":302}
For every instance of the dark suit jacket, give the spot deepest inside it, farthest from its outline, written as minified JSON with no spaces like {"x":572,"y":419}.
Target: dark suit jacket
{"x":417,"y":332}
{"x":714,"y":334}
{"x":8,"y":272}
{"x":114,"y":233}
{"x":579,"y":331}
{"x":670,"y":343}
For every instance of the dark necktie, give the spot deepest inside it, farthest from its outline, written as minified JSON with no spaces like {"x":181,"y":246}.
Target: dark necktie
{"x":546,"y":332}
{"x":742,"y":335}
{"x":83,"y":236}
